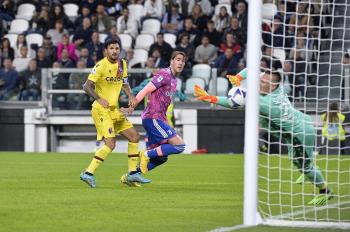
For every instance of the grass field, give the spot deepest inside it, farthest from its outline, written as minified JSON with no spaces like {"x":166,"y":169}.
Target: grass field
{"x":42,"y":192}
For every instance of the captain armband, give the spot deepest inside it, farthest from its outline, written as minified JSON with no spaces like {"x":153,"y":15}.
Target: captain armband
{"x":125,"y":80}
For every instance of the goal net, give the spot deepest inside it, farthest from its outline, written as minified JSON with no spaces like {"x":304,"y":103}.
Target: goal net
{"x":310,"y":41}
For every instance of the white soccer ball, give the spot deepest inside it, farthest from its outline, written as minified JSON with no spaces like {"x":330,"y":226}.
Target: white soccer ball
{"x":236,"y":97}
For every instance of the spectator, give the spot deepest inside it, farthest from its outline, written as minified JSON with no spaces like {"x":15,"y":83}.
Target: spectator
{"x":70,"y":47}
{"x":65,"y":60}
{"x":83,"y":33}
{"x":242,"y":15}
{"x":172,"y":20}
{"x":126,"y":24}
{"x":185,"y":46}
{"x":153,"y":9}
{"x":113,"y":8}
{"x":239,"y":33}
{"x":103,"y":21}
{"x":85,"y":57}
{"x":95,"y":46}
{"x":301,"y":21}
{"x":199,"y":19}
{"x":113,"y":34}
{"x":227,"y":63}
{"x":8,"y":80}
{"x":6,"y":49}
{"x":50,"y":49}
{"x":205,"y":53}
{"x":159,"y":61}
{"x":91,"y":4}
{"x":7,"y":10}
{"x":76,"y":81}
{"x":213,"y":35}
{"x":57,"y":13}
{"x":59,"y":81}
{"x":21,"y":63}
{"x":164,"y":48}
{"x":41,"y":22}
{"x":231,"y":42}
{"x":30,"y":82}
{"x":277,"y":37}
{"x":85,"y":12}
{"x":41,"y":59}
{"x":21,"y":41}
{"x":205,"y":5}
{"x":57,"y":33}
{"x":191,"y":30}
{"x":132,"y":61}
{"x":222,"y":20}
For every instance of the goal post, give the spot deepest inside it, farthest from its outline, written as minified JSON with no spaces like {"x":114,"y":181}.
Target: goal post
{"x":307,"y":42}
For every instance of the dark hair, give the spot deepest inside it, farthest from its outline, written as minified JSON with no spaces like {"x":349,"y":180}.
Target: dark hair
{"x":333,"y":110}
{"x":112,"y":41}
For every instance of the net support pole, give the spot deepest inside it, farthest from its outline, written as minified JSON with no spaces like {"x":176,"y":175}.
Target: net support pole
{"x":251,"y":217}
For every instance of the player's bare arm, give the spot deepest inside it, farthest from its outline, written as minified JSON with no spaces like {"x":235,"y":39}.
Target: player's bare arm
{"x":131,"y":97}
{"x":89,"y":88}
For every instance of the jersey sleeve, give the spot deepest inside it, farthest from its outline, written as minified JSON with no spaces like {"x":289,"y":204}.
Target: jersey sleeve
{"x":159,"y":80}
{"x":96,"y":72}
{"x":125,"y":75}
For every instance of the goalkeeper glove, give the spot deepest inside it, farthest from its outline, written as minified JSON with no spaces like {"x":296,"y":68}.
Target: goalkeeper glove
{"x":235,"y":79}
{"x":202,"y":95}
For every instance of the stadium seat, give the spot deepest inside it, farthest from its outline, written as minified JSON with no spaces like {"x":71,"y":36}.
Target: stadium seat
{"x":170,"y":39}
{"x":12,"y":38}
{"x":136,"y":11}
{"x":228,"y":8}
{"x":191,"y":82}
{"x":140,"y":55}
{"x":280,"y":54}
{"x":102,"y":37}
{"x":25,"y":11}
{"x":144,"y":41}
{"x":19,"y":26}
{"x":151,"y":26}
{"x":34,"y":38}
{"x":71,"y":10}
{"x":225,"y":2}
{"x":202,"y":71}
{"x":221,"y":86}
{"x":126,"y":40}
{"x":268,"y":11}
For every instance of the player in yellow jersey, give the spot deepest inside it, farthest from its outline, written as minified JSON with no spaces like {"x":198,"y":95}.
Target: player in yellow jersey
{"x":104,"y":84}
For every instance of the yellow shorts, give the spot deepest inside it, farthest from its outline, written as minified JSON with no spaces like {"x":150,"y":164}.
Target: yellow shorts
{"x":109,"y":122}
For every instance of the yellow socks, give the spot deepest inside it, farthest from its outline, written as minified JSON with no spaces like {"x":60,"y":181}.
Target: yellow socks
{"x":99,"y":157}
{"x":133,"y":156}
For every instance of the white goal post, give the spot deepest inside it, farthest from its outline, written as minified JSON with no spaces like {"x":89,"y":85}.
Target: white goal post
{"x":312,"y":49}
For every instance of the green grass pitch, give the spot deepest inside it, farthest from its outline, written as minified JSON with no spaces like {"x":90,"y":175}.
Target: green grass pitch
{"x":42,"y":192}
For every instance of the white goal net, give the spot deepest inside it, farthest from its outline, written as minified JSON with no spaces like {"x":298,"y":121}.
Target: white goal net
{"x":311,"y":40}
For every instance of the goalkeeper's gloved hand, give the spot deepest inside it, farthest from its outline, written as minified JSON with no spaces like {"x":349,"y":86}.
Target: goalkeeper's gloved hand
{"x":235,"y":79}
{"x":202,"y":95}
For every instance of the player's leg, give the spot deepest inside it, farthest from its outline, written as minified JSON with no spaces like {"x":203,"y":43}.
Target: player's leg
{"x":133,"y":138}
{"x":161,"y":133}
{"x":104,"y":127}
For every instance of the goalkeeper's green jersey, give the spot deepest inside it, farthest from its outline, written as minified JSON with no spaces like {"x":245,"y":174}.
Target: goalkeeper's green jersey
{"x":278,"y":115}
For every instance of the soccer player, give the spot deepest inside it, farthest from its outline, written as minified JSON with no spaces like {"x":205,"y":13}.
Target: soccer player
{"x":162,"y":138}
{"x":104,"y":84}
{"x":277,"y":114}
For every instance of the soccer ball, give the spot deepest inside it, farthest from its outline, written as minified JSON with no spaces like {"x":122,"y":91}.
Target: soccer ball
{"x":236,"y":97}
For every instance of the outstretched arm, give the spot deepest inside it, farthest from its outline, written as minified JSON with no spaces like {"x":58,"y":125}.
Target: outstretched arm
{"x":202,"y":95}
{"x":236,"y":79}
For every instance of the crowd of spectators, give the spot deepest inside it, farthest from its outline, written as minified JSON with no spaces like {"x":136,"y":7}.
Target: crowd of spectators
{"x":209,"y":34}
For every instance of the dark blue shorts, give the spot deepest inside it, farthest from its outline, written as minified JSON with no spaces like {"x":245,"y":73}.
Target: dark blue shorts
{"x":157,"y":132}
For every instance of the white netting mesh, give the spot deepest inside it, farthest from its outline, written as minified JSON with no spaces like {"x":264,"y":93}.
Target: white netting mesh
{"x":311,"y":39}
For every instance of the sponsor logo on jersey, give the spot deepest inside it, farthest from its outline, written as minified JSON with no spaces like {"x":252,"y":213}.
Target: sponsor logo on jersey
{"x":113,"y":79}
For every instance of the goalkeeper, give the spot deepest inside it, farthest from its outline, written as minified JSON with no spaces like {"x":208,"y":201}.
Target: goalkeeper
{"x":279,"y":116}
